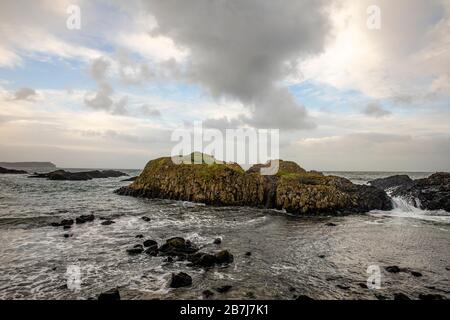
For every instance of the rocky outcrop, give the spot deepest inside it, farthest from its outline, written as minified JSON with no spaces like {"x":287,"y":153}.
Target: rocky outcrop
{"x":391,"y":182}
{"x":292,"y":188}
{"x":11,"y":171}
{"x":432,"y":193}
{"x":79,"y":176}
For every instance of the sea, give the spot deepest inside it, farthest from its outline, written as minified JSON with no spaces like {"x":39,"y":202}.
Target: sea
{"x":276,"y":255}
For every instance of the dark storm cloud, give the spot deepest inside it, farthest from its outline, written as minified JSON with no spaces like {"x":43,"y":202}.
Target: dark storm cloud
{"x":241,"y":49}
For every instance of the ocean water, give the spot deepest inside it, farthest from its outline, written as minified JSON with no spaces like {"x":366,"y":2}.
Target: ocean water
{"x":289,"y":255}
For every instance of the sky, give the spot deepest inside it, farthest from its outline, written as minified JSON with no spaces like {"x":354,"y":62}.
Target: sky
{"x":346,"y":94}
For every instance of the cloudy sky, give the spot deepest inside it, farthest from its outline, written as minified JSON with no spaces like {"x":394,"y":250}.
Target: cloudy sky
{"x":344,"y":96}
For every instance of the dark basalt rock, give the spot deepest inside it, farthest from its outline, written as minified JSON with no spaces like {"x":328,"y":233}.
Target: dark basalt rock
{"x":224,"y":256}
{"x":62,"y":175}
{"x":130,"y":179}
{"x":392,"y":182}
{"x":146,"y":219}
{"x":217,"y":241}
{"x":67,"y":227}
{"x":393,"y":269}
{"x":66,"y":222}
{"x":139,"y":236}
{"x":331,"y":224}
{"x":207,"y":294}
{"x":416,"y":274}
{"x":431,"y":297}
{"x":11,"y":171}
{"x":107,"y":222}
{"x":177,"y":246}
{"x":224,"y":289}
{"x":291,"y":189}
{"x":85,"y":218}
{"x":401,"y":296}
{"x":433,"y":192}
{"x":180,"y":280}
{"x":202,"y":259}
{"x":110,"y":295}
{"x":248,"y":253}
{"x":137,"y":249}
{"x":150,"y":243}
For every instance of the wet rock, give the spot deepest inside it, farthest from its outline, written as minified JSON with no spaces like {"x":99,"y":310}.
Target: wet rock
{"x":431,"y":297}
{"x":137,"y":249}
{"x":432,"y":193}
{"x":150,"y":243}
{"x":321,"y":256}
{"x":67,"y":227}
{"x":130,"y":179}
{"x":11,"y":171}
{"x":250,"y":295}
{"x":363,"y":285}
{"x":139,"y":236}
{"x":180,"y":280}
{"x":169,"y":260}
{"x":393,"y":269}
{"x":331,"y":224}
{"x":107,"y":222}
{"x":66,"y":235}
{"x":291,"y":289}
{"x":416,"y":274}
{"x":217,"y":241}
{"x":224,"y":289}
{"x":447,"y":268}
{"x":224,"y":256}
{"x":401,"y":296}
{"x":248,"y":253}
{"x":55,"y":224}
{"x":85,"y":218}
{"x":207,"y":294}
{"x":66,"y":222}
{"x":303,"y":297}
{"x":110,"y":295}
{"x":381,"y":297}
{"x":177,"y":246}
{"x":201,"y":259}
{"x":391,"y":182}
{"x":146,"y":219}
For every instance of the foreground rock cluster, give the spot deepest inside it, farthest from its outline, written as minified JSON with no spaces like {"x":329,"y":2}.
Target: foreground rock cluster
{"x":78,"y":176}
{"x":432,"y":193}
{"x":292,"y":189}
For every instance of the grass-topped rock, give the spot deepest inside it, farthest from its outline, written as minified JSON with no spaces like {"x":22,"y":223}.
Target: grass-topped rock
{"x":292,"y":188}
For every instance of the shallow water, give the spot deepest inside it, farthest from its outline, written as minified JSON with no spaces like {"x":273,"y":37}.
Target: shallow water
{"x":289,"y":255}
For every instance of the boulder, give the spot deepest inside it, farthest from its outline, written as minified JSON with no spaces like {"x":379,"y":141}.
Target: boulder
{"x":107,"y":222}
{"x":224,"y":256}
{"x":150,"y":243}
{"x":180,"y":280}
{"x":177,"y":246}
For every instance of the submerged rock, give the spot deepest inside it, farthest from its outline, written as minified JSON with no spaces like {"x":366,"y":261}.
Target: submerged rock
{"x":137,"y":249}
{"x":78,"y":176}
{"x":291,"y":189}
{"x":180,"y":280}
{"x":85,"y":218}
{"x":11,"y":171}
{"x":107,"y":222}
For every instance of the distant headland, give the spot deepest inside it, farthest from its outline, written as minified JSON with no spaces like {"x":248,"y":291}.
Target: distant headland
{"x":27,"y":165}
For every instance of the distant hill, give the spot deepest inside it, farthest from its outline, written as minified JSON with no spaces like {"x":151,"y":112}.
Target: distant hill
{"x":27,"y":165}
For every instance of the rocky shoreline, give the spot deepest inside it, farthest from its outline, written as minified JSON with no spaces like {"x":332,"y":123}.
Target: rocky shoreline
{"x":292,"y":189}
{"x":432,"y":193}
